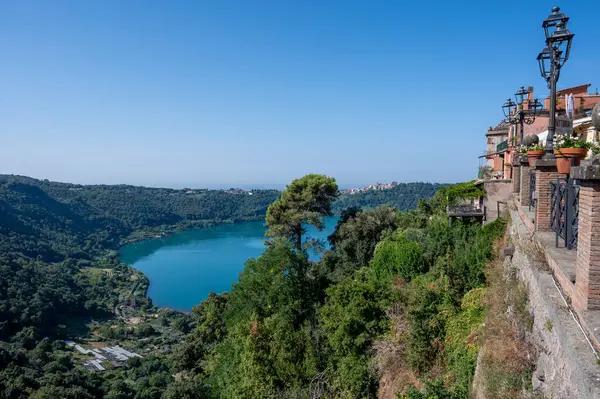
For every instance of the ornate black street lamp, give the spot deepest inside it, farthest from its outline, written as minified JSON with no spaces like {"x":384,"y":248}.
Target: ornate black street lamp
{"x":516,"y":114}
{"x":551,"y":59}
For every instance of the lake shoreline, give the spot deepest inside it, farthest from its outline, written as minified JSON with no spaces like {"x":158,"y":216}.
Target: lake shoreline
{"x":152,"y":235}
{"x":185,"y":265}
{"x":169,"y":231}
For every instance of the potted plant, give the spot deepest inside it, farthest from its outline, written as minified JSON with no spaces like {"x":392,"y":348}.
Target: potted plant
{"x":522,"y":151}
{"x":570,"y":149}
{"x":534,"y":152}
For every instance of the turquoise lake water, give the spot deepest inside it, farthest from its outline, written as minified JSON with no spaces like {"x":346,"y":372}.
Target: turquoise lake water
{"x":186,"y":266}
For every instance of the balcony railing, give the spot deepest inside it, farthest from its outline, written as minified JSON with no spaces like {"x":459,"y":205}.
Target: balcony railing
{"x":502,"y":146}
{"x":466,"y":208}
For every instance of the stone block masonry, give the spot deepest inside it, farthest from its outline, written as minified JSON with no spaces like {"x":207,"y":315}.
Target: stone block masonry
{"x":524,"y":192}
{"x":545,"y":172}
{"x":587,"y":274}
{"x":516,"y":180}
{"x":566,"y":366}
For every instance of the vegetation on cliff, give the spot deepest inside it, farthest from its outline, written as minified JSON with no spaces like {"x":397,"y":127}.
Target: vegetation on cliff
{"x":401,"y":289}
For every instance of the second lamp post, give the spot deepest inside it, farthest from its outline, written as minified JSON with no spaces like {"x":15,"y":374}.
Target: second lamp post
{"x":516,"y":114}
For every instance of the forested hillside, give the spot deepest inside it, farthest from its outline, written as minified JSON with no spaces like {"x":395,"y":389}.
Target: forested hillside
{"x":58,"y":220}
{"x":398,"y":297}
{"x":403,"y":197}
{"x":56,"y":265}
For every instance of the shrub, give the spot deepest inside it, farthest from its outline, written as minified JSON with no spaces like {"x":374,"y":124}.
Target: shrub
{"x":398,"y":256}
{"x":462,"y":333}
{"x":428,"y":307}
{"x":145,"y":330}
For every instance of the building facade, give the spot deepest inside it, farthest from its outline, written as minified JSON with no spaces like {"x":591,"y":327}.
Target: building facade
{"x":501,"y":141}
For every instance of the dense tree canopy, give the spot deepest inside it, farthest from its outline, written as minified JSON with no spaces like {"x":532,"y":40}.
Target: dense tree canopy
{"x":392,"y":289}
{"x":304,"y":202}
{"x":389,"y":291}
{"x":403,"y":197}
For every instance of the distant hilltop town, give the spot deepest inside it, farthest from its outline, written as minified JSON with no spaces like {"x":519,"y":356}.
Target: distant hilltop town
{"x":377,"y":186}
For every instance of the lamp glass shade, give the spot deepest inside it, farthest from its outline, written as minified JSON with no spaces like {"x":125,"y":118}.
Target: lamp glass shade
{"x":520,"y":95}
{"x":545,"y":62}
{"x":508,"y":107}
{"x":553,"y":20}
{"x":536,"y":107}
{"x":561,"y":41}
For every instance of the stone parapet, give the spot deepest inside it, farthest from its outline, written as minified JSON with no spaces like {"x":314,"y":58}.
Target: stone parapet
{"x":516,"y":178}
{"x":545,"y":172}
{"x":524,"y":185}
{"x":587,"y":274}
{"x":586,"y":172}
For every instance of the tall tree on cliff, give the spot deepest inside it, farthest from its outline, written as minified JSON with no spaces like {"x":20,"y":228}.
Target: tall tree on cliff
{"x":304,"y":202}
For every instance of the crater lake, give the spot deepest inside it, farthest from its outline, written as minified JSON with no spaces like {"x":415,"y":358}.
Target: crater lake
{"x":185,"y":267}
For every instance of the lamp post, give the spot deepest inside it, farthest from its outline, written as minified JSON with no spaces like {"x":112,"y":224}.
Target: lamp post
{"x":551,"y":59}
{"x":516,"y":114}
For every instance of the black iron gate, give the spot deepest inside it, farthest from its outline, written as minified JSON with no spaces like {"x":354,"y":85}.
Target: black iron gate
{"x":564,"y":211}
{"x":532,"y":196}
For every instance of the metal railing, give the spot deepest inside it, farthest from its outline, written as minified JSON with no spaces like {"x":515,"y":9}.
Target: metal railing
{"x":502,"y":146}
{"x":532,"y":196}
{"x":564,"y":211}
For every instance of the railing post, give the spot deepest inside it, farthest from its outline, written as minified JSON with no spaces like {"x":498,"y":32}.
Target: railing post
{"x":555,"y":209}
{"x":532,"y":189}
{"x":524,"y":184}
{"x":545,"y":171}
{"x":516,"y":178}
{"x":567,"y":214}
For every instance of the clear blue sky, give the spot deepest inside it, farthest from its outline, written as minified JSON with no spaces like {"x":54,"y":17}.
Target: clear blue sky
{"x":200,"y":93}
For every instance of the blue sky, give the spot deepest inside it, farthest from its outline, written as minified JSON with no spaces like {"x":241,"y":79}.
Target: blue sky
{"x":202,"y":93}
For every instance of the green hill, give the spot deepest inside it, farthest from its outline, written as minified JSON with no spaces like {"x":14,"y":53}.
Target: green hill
{"x":404,"y":197}
{"x":39,"y":218}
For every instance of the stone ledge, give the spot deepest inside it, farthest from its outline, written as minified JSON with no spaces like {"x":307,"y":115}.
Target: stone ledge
{"x":588,"y":172}
{"x":523,"y":161}
{"x":526,"y":217}
{"x":543,"y":163}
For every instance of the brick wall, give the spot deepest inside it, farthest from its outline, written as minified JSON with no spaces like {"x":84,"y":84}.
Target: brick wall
{"x":524,"y":194}
{"x":516,"y":177}
{"x":543,"y":177}
{"x":587,"y":274}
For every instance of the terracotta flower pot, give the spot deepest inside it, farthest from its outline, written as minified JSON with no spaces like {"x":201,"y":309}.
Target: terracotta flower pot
{"x":565,"y":155}
{"x":532,"y":155}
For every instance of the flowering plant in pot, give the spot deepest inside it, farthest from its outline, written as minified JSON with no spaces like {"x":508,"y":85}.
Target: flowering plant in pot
{"x":570,"y":148}
{"x":534,"y":151}
{"x":522,"y":149}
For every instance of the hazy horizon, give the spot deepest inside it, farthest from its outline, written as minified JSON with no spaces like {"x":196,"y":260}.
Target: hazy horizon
{"x":170,"y":93}
{"x":221,"y":186}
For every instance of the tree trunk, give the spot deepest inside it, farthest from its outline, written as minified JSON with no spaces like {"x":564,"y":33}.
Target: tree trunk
{"x":299,"y":238}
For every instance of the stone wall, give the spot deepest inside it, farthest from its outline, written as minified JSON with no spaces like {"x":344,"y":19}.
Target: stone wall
{"x":543,"y":177}
{"x":524,"y":185}
{"x":566,"y":366}
{"x":587,"y":280}
{"x":496,"y":190}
